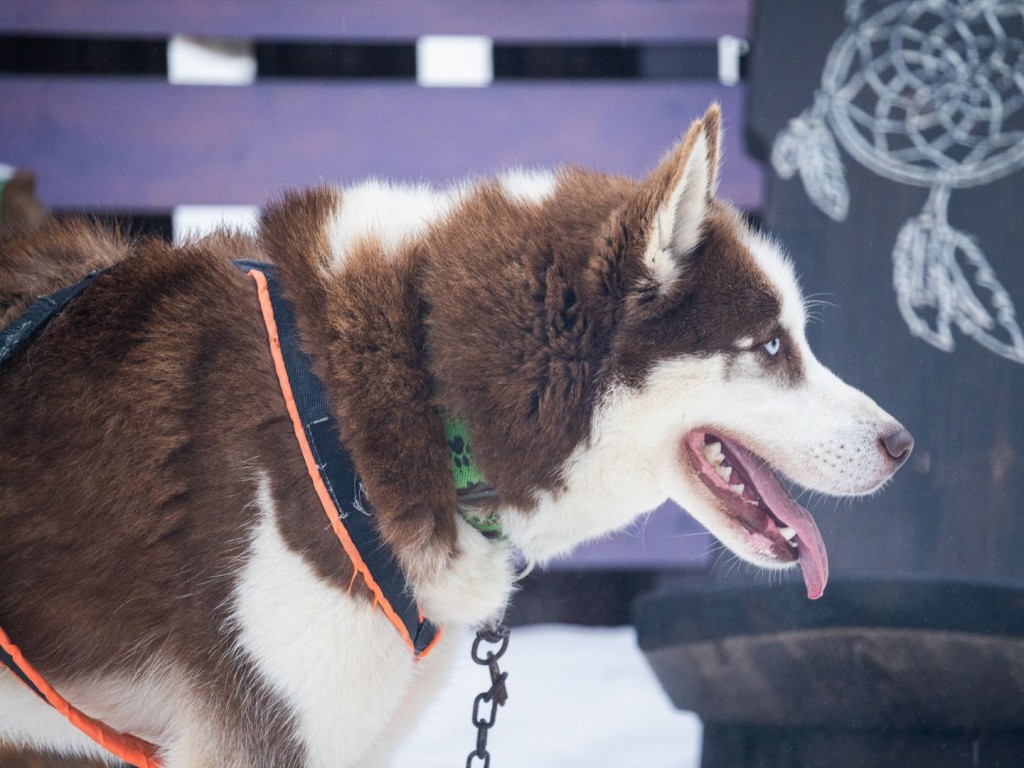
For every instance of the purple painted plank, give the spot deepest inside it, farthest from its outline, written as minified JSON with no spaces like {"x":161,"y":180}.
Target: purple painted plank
{"x":384,"y":19}
{"x":669,"y":538}
{"x":118,"y":144}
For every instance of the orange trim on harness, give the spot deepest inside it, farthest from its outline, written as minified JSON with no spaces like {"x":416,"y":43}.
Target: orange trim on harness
{"x":129,"y":748}
{"x":314,"y":472}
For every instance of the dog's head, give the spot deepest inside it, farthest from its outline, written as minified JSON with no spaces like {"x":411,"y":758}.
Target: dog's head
{"x":707,"y":390}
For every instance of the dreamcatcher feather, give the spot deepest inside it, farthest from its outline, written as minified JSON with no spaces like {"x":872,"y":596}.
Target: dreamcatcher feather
{"x":933,"y":292}
{"x":806,"y":146}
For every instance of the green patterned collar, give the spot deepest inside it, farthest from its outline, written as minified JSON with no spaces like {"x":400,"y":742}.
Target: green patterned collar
{"x":469,"y":482}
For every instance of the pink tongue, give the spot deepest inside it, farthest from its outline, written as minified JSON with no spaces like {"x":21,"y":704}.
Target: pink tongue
{"x":811,"y":547}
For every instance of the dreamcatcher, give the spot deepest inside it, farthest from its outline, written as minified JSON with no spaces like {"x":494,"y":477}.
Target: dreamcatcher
{"x":929,"y":93}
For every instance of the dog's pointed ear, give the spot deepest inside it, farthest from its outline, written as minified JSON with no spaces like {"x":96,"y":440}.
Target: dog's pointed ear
{"x":679,"y":193}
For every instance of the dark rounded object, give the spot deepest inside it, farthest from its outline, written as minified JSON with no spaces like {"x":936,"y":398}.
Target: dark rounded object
{"x":871,"y":654}
{"x":898,"y":445}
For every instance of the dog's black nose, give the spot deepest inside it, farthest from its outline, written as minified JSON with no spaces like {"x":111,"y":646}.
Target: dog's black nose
{"x":898,"y":444}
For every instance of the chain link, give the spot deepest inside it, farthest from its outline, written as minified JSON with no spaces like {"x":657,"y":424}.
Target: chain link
{"x":495,"y":697}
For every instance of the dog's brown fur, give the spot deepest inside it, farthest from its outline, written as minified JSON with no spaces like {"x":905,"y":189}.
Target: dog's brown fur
{"x":366,"y":332}
{"x":11,"y":758}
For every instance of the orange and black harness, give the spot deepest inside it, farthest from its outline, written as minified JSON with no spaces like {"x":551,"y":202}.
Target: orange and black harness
{"x":330,"y":469}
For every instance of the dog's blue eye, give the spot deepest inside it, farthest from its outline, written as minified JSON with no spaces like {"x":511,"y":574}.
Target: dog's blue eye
{"x":772,"y":347}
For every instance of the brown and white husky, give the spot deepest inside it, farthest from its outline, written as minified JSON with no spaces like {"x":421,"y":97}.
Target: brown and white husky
{"x":608,"y":343}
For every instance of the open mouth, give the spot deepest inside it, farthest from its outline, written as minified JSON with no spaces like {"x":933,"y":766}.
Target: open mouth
{"x":777,"y":528}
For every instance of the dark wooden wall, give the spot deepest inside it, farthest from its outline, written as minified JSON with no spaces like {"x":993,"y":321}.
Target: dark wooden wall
{"x":956,"y":509}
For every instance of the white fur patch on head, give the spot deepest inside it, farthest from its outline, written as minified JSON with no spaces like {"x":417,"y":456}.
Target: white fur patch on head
{"x":528,"y":185}
{"x":779,"y":270}
{"x":388,"y":214}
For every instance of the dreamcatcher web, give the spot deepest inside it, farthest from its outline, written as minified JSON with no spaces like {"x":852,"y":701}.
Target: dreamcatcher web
{"x":929,"y":93}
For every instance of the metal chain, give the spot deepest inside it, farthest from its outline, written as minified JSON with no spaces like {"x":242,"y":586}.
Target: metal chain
{"x":496,"y":696}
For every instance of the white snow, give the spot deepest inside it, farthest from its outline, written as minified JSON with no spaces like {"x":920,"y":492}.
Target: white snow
{"x":577,"y":697}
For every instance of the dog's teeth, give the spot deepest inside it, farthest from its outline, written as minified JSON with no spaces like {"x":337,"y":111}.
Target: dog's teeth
{"x":787,"y":533}
{"x":713,"y":453}
{"x":793,"y":544}
{"x":724,"y":472}
{"x":738,"y":488}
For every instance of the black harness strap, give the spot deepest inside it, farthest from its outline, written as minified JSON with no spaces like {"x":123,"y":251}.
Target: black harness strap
{"x":8,"y":661}
{"x":336,"y":469}
{"x":34,"y":319}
